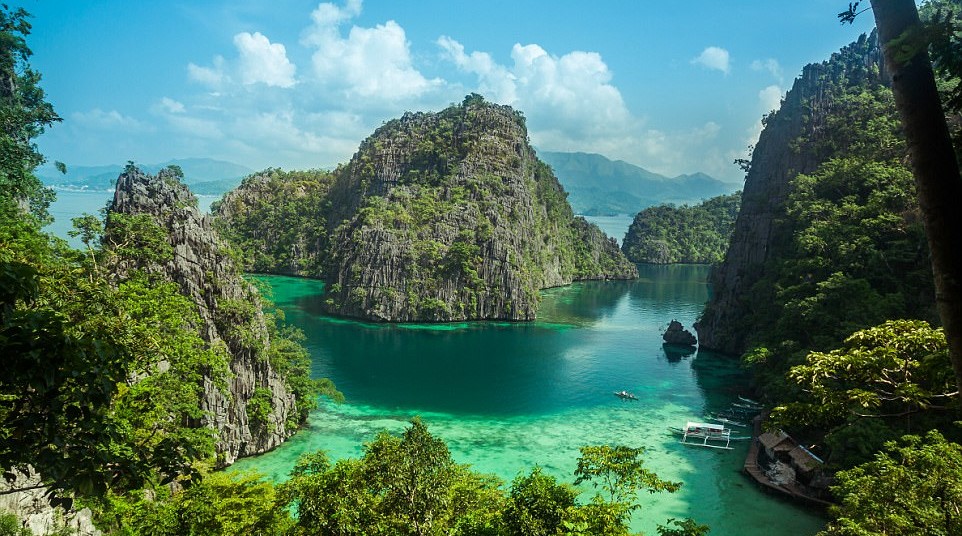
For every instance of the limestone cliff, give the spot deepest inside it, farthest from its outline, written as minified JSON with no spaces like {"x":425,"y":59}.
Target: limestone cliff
{"x":229,"y":308}
{"x":776,"y":160}
{"x":438,"y":217}
{"x":451,"y":216}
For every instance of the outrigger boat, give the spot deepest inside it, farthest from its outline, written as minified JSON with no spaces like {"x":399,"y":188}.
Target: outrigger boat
{"x":625,"y":395}
{"x":725,"y":420}
{"x":711,"y":435}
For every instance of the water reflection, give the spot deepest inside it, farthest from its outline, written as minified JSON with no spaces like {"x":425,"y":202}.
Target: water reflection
{"x":674,"y":353}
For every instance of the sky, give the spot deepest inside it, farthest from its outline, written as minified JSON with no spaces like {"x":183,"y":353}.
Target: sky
{"x":674,"y":87}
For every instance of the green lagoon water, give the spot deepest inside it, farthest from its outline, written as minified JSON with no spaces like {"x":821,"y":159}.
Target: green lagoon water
{"x":506,"y":397}
{"x":509,"y":396}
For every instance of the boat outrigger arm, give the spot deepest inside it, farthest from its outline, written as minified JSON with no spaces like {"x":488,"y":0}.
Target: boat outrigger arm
{"x":707,"y":433}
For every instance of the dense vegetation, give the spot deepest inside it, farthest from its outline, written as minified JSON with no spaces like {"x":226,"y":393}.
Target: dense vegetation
{"x":105,"y":359}
{"x":277,"y":220}
{"x":841,"y":320}
{"x":698,"y":234}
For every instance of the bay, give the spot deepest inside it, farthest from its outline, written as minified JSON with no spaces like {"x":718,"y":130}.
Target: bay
{"x":509,"y":396}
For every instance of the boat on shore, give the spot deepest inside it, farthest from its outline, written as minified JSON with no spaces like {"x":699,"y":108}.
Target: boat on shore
{"x":725,"y":420}
{"x":625,"y":395}
{"x":711,"y":435}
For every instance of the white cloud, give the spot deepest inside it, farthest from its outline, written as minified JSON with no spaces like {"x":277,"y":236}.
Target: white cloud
{"x":110,"y":120}
{"x":258,"y":62}
{"x":261,"y":61}
{"x":771,"y":65}
{"x":209,"y":76}
{"x":714,"y":58}
{"x":372,"y":63}
{"x":569,"y":100}
{"x":171,"y":106}
{"x":770,"y":98}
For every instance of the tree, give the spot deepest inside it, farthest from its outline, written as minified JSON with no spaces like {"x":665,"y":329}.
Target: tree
{"x":913,"y":487}
{"x":934,"y":164}
{"x":620,"y":472}
{"x":538,"y":504}
{"x":24,"y":114}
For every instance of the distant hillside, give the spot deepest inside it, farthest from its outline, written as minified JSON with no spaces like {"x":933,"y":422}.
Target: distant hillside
{"x":205,"y":176}
{"x":599,"y":186}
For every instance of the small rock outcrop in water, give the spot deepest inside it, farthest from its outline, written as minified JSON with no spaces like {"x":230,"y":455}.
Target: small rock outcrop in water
{"x":775,"y":162}
{"x":438,"y":217}
{"x":677,"y":334}
{"x":208,"y":276}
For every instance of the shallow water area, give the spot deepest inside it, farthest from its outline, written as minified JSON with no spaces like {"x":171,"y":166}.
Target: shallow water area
{"x":509,"y":396}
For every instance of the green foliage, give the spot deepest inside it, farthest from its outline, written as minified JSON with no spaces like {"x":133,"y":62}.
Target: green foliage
{"x":888,"y":373}
{"x":687,"y":527}
{"x":538,"y":504}
{"x":409,"y":484}
{"x":10,"y":526}
{"x":276,"y":220}
{"x":698,"y":234}
{"x":620,"y":472}
{"x":857,"y":253}
{"x":913,"y":487}
{"x":24,"y":114}
{"x":222,"y":504}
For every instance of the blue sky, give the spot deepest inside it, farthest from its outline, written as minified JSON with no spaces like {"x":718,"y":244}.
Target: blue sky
{"x":675,"y":87}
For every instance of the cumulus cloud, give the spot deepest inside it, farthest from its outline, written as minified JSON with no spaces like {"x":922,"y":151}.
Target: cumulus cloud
{"x":715,"y":58}
{"x":261,"y":61}
{"x":372,"y":63}
{"x":771,"y":65}
{"x":568,"y":99}
{"x":258,"y":62}
{"x":770,"y":98}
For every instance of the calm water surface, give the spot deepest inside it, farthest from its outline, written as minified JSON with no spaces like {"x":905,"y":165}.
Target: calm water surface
{"x":508,"y":396}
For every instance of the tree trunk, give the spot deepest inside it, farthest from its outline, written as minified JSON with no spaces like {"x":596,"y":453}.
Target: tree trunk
{"x":933,"y":160}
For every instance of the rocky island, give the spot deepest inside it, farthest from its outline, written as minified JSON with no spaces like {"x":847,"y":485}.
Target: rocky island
{"x":438,"y":217}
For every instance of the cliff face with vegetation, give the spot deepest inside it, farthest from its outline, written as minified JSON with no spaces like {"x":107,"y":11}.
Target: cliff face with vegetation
{"x":788,"y":146}
{"x":697,"y":234}
{"x":252,"y":409}
{"x":441,"y":217}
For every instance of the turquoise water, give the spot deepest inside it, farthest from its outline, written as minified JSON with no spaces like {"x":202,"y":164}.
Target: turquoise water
{"x":507,"y":396}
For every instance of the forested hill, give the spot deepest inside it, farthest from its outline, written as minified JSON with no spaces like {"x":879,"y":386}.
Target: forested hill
{"x":828,"y":239}
{"x":599,"y":186}
{"x":697,"y":234}
{"x":438,"y":217}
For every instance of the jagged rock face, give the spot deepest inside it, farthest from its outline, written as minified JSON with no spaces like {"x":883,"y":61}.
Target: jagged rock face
{"x":32,"y":505}
{"x":205,"y":273}
{"x":776,"y":160}
{"x":451,"y":216}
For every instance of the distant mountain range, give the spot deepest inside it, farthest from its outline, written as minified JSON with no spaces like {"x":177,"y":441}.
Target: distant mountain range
{"x":205,"y":176}
{"x":598,"y":186}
